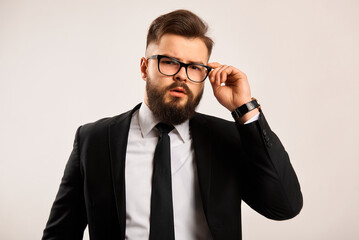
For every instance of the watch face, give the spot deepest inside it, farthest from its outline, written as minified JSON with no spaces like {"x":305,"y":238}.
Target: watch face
{"x":252,"y":105}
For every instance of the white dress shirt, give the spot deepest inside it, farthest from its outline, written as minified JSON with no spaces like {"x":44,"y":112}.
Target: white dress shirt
{"x":189,"y":218}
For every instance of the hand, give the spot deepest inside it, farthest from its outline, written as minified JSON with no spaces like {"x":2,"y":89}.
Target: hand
{"x":231,"y":88}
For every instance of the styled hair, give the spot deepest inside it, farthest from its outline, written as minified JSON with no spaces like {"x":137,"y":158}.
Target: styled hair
{"x":180,"y":22}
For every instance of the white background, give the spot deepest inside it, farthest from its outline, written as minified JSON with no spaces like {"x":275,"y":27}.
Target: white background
{"x":66,"y":63}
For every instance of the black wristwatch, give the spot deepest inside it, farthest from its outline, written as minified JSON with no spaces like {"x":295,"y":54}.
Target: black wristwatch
{"x":245,"y":108}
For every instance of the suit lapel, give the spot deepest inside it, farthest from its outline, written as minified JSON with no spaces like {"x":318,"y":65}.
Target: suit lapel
{"x":118,"y":135}
{"x":203,"y":157}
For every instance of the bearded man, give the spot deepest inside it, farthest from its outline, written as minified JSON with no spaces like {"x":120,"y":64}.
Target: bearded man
{"x":162,"y":171}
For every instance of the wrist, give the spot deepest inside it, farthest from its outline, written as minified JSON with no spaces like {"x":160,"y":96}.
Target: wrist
{"x":248,"y":116}
{"x":246,"y":111}
{"x":239,"y":103}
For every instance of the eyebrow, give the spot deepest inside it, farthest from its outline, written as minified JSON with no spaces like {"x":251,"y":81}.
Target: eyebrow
{"x":194,"y":62}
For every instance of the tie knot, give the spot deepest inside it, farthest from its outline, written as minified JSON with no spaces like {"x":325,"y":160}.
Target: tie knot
{"x":164,"y":128}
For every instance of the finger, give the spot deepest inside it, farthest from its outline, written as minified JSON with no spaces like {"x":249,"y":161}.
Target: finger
{"x":214,"y":65}
{"x":223,"y":74}
{"x":231,"y":74}
{"x":213,"y":73}
{"x":218,"y":76}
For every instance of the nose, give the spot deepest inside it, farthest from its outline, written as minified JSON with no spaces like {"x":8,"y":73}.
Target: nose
{"x":181,"y":75}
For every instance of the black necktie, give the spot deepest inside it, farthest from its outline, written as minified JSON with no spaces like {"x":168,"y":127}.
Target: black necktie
{"x":161,"y":218}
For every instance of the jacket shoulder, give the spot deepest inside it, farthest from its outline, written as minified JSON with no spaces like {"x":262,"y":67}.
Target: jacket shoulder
{"x":212,"y":122}
{"x":214,"y":127}
{"x":101,"y":126}
{"x":208,"y":119}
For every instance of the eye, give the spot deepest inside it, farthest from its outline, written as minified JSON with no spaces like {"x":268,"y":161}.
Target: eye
{"x":195,"y":67}
{"x":168,"y":62}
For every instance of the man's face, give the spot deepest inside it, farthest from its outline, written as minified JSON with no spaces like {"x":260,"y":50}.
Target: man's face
{"x":173,"y":99}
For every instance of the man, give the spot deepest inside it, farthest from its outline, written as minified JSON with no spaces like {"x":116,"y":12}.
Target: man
{"x":114,"y":183}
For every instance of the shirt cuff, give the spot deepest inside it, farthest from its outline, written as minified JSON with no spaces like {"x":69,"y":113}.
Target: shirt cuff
{"x":254,"y":118}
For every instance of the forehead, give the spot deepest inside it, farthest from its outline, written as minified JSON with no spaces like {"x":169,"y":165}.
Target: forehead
{"x":182,"y":48}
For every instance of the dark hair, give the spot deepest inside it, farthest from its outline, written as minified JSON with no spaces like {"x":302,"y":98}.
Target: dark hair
{"x":180,"y":22}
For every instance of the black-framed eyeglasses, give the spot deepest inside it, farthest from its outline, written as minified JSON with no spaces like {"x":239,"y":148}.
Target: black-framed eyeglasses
{"x":170,"y":66}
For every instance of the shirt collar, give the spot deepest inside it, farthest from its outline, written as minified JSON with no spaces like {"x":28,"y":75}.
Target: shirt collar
{"x":148,"y":121}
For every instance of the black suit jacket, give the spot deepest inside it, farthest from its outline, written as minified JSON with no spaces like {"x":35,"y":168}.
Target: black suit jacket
{"x":234,"y":163}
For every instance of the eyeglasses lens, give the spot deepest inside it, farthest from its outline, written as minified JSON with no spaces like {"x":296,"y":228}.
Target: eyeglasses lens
{"x":170,"y":67}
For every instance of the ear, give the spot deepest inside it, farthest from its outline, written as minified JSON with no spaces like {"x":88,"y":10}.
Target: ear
{"x":144,"y":66}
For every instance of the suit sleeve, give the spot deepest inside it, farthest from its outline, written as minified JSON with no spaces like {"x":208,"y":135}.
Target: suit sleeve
{"x":68,"y":216}
{"x":270,"y":185}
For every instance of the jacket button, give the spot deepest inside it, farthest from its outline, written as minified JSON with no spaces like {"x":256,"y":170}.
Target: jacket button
{"x":264,"y":132}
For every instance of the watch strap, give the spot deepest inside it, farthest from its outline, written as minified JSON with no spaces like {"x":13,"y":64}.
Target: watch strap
{"x":245,"y":108}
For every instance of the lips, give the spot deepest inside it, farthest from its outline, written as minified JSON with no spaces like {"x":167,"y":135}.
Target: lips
{"x":178,"y":92}
{"x":178,"y":89}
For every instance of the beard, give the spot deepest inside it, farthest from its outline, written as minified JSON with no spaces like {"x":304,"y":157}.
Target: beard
{"x":171,"y":112}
